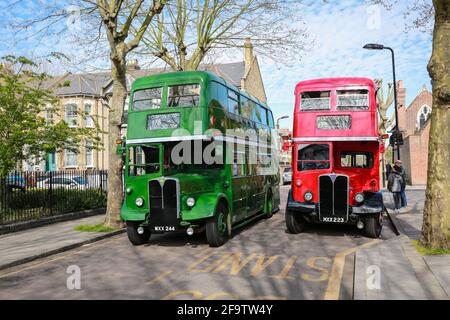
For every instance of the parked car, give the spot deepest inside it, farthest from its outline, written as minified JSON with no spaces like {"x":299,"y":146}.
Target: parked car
{"x":287,"y":175}
{"x":75,"y":182}
{"x":15,"y":183}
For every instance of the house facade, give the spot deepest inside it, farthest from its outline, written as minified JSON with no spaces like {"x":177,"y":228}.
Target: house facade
{"x":414,"y":122}
{"x":85,"y":103}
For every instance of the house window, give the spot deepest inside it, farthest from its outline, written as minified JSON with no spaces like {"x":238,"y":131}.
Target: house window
{"x":88,"y":115}
{"x":49,"y":115}
{"x":72,"y":115}
{"x":423,"y":115}
{"x":70,"y":158}
{"x":89,"y":154}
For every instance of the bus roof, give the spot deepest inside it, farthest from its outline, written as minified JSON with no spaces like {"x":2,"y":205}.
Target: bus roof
{"x":332,"y":83}
{"x":204,"y":76}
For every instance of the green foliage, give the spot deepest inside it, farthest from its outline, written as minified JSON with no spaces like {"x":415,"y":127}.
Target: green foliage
{"x":428,"y":251}
{"x":93,"y":228}
{"x":24,"y":131}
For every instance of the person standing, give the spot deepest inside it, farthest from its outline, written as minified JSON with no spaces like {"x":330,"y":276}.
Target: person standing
{"x":388,"y":170}
{"x":399,"y":168}
{"x":395,"y":182}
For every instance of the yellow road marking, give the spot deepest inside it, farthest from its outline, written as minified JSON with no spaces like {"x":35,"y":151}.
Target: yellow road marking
{"x":78,"y":251}
{"x":312,"y":264}
{"x":159,"y":277}
{"x":195,"y":295}
{"x":337,"y":271}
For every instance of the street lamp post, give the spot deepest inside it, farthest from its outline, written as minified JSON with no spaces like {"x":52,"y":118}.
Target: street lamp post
{"x":373,"y":46}
{"x":281,"y":118}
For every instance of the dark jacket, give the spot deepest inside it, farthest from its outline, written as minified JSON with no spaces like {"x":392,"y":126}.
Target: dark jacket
{"x":395,"y":181}
{"x":401,"y":171}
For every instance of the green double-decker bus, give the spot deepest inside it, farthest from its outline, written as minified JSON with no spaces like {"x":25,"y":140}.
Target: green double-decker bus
{"x":200,"y":156}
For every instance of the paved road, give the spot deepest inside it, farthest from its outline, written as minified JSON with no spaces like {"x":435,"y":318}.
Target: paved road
{"x":261,"y":261}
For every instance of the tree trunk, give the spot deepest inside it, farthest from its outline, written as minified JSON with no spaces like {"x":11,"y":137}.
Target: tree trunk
{"x":436,"y":224}
{"x":119,"y":94}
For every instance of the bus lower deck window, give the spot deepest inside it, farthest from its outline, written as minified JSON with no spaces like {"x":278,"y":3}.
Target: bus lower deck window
{"x":362,"y":160}
{"x":313,"y":157}
{"x":143,"y":160}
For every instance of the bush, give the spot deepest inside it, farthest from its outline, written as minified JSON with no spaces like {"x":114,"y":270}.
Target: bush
{"x":60,"y":200}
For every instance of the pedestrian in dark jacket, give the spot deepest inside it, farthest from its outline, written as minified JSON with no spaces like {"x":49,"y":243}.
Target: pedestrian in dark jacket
{"x":395,"y":183}
{"x":388,"y":170}
{"x":399,"y":168}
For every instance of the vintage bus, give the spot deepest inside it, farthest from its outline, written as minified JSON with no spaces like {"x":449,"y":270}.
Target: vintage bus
{"x":336,"y":150}
{"x":178,"y":123}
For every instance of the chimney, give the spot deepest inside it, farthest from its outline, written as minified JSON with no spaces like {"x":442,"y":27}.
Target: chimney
{"x":133,"y":65}
{"x":248,"y":54}
{"x":401,"y":95}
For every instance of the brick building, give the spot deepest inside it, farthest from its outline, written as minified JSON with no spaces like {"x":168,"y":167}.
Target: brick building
{"x":414,"y":122}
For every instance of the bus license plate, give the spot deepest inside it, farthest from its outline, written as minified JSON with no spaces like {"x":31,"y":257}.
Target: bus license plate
{"x":333,"y":220}
{"x":163,"y":228}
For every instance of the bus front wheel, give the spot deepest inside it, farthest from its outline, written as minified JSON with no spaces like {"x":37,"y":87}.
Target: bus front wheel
{"x":374,"y":225}
{"x":134,"y":236}
{"x":294,"y":222}
{"x":217,"y":227}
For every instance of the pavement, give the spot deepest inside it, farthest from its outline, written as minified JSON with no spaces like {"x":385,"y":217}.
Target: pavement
{"x":28,"y":245}
{"x":394,"y":270}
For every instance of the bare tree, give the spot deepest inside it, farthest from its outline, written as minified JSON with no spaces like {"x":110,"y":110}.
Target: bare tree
{"x":112,"y":22}
{"x":189,"y":30}
{"x":436,"y":222}
{"x":383,"y":105}
{"x":436,"y":225}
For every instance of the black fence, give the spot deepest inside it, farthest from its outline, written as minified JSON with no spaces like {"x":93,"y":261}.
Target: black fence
{"x":26,"y":196}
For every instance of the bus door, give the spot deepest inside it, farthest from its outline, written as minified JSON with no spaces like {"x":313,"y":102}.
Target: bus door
{"x":239,"y":186}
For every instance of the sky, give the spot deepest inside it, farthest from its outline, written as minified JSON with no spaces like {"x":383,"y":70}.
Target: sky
{"x":338,"y":29}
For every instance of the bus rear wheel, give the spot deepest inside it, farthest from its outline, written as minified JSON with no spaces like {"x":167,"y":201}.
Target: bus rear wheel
{"x":294,"y":222}
{"x":269,"y":205}
{"x":374,"y":225}
{"x":217,"y":227}
{"x":134,"y":236}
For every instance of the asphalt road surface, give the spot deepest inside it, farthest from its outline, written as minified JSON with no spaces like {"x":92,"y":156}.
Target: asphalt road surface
{"x":260,"y":261}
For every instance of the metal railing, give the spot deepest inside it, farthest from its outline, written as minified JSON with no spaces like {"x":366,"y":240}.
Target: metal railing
{"x":30,"y":195}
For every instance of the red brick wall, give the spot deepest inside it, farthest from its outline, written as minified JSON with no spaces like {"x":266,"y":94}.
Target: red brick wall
{"x":414,"y":152}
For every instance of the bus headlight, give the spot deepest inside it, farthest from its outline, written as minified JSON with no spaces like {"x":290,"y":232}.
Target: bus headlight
{"x":359,"y":197}
{"x":139,"y":202}
{"x":190,"y":202}
{"x":308,"y":196}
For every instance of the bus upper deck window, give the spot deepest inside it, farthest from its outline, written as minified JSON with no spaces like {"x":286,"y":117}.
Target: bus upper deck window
{"x":147,"y":99}
{"x":315,"y":100}
{"x":184,"y":95}
{"x":353,"y":99}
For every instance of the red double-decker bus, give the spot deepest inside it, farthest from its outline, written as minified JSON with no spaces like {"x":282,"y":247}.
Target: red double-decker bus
{"x":336,"y":150}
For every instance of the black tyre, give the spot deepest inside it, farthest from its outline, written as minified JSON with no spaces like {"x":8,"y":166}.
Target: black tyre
{"x":217,"y":227}
{"x":374,"y":225}
{"x":268,"y":207}
{"x":133,"y":235}
{"x":295,"y":223}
